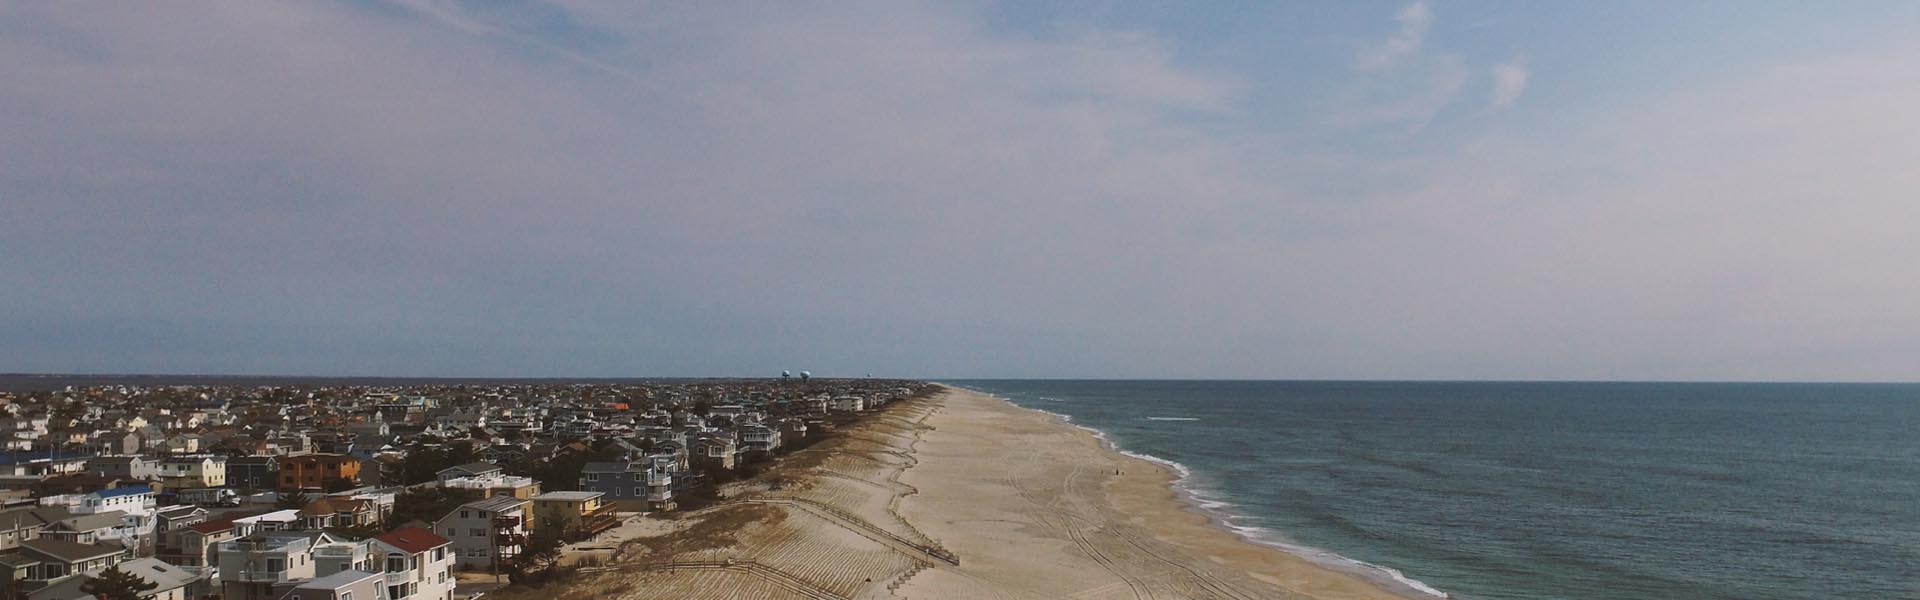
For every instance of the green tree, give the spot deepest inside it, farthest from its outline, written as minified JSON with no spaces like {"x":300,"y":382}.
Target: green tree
{"x":428,"y":504}
{"x":538,"y":563}
{"x":295,"y":500}
{"x":115,"y":584}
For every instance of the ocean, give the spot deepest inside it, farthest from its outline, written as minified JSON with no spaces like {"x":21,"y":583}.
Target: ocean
{"x":1485,"y":491}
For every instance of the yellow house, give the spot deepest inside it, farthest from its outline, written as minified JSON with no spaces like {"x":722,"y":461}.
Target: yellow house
{"x":575,"y":513}
{"x":196,"y":471}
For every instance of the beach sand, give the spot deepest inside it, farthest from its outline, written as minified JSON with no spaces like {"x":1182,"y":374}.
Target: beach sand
{"x":1034,"y":509}
{"x":958,"y":496}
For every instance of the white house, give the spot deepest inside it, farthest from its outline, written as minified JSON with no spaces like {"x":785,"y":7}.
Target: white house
{"x":483,"y":530}
{"x":416,"y":564}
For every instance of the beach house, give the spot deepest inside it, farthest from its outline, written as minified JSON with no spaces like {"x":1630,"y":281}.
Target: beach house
{"x":251,"y":566}
{"x":261,"y":472}
{"x":44,"y":563}
{"x":416,"y":565}
{"x":636,"y":486}
{"x":342,"y":585}
{"x":574,"y":513}
{"x":484,"y":531}
{"x":170,"y":582}
{"x":194,"y":471}
{"x":124,"y":467}
{"x":317,"y":471}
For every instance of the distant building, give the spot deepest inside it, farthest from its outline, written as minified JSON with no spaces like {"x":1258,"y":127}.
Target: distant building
{"x":124,"y":467}
{"x":635,"y":485}
{"x":194,"y":471}
{"x":254,"y":472}
{"x":474,"y":469}
{"x":315,"y":471}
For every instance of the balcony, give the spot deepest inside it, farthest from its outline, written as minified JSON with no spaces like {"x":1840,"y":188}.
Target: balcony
{"x":659,"y":495}
{"x":659,"y":479}
{"x":400,"y":577}
{"x":256,"y":576}
{"x":602,"y":510}
{"x":600,"y":519}
{"x":506,"y":522}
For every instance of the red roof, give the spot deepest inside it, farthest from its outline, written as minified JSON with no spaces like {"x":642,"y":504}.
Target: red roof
{"x":413,"y":539}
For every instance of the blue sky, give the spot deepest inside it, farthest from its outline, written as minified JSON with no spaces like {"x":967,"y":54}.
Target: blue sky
{"x":1469,"y":190}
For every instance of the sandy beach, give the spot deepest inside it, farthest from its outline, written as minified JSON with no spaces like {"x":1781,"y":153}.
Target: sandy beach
{"x":959,"y":496}
{"x":1037,"y":508}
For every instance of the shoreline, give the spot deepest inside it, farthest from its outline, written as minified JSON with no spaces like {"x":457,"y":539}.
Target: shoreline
{"x":1388,"y":578}
{"x":1037,"y":506}
{"x":959,"y":495}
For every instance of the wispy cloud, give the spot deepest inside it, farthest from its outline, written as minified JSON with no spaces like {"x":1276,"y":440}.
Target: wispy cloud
{"x":1414,"y":20}
{"x":905,"y":188}
{"x":1509,"y":82}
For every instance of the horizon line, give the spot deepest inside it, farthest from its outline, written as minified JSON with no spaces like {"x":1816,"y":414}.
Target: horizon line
{"x":943,"y":379}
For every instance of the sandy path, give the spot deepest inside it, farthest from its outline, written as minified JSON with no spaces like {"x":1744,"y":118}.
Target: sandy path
{"x":1034,"y":509}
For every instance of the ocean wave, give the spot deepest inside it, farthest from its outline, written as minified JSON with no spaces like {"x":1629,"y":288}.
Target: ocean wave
{"x":1173,"y":418}
{"x":1216,"y":509}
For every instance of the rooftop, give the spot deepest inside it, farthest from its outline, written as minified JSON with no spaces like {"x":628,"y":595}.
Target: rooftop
{"x":132,"y":490}
{"x":69,"y":551}
{"x":496,"y":504}
{"x":336,"y":580}
{"x":473,"y":467}
{"x":154,"y":570}
{"x":412,"y":539}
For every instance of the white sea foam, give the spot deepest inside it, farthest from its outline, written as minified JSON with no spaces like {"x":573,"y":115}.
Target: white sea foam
{"x":1217,"y":510}
{"x":1173,"y":418}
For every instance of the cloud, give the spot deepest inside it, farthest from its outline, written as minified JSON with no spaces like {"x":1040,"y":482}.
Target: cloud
{"x":1414,"y":20}
{"x":1509,"y":81}
{"x":331,"y":180}
{"x":1400,"y":84}
{"x":901,"y":188}
{"x":1411,"y":100}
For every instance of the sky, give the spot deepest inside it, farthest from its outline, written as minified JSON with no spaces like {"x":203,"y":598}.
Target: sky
{"x":1326,"y":190}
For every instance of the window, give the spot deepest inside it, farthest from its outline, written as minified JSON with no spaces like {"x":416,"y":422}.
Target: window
{"x":477,"y":532}
{"x":593,"y":477}
{"x":275,"y":564}
{"x":396,"y":563}
{"x":639,"y":491}
{"x":343,"y":596}
{"x":463,"y":514}
{"x":438,"y":554}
